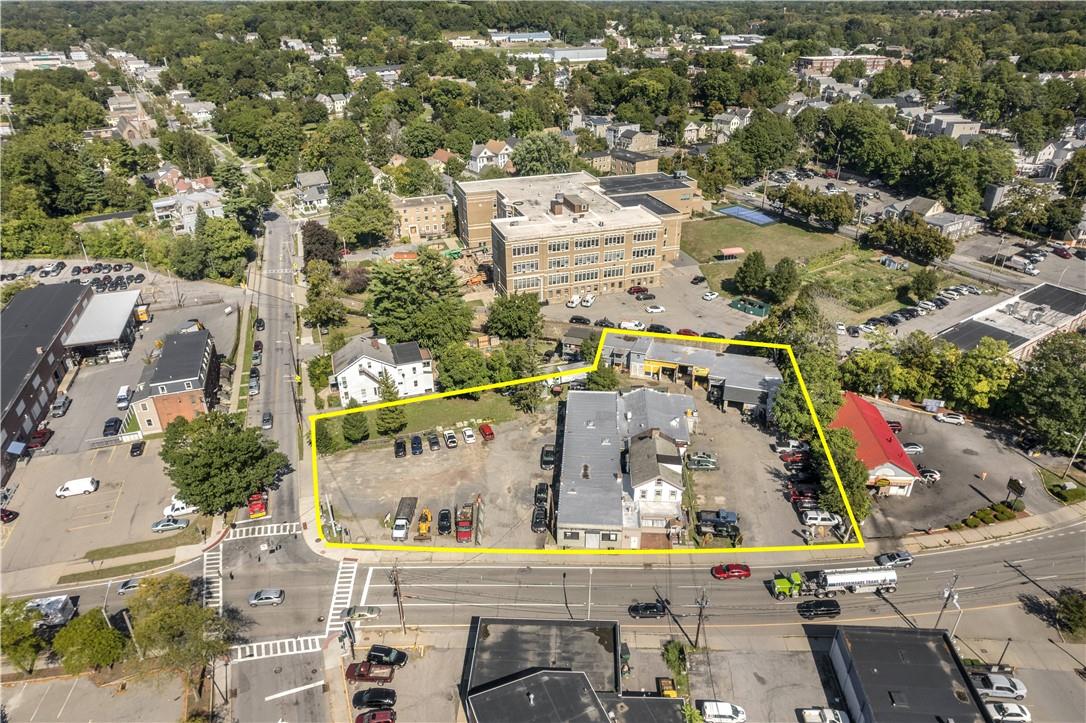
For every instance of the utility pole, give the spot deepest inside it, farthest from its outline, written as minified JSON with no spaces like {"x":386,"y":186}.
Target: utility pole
{"x":128,"y":624}
{"x":947,"y":593}
{"x":702,"y":603}
{"x":399,"y":598}
{"x":1074,"y":454}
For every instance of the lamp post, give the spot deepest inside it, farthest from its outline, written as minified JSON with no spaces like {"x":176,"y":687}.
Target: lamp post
{"x":1074,"y":454}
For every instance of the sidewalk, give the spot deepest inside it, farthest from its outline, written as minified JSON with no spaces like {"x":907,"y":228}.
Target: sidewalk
{"x":920,"y":542}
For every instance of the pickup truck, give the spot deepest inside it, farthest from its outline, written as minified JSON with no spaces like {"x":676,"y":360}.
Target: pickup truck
{"x":823,"y":715}
{"x":369,"y":673}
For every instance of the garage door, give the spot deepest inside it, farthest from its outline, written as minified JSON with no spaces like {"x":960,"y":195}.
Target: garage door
{"x":592,"y":540}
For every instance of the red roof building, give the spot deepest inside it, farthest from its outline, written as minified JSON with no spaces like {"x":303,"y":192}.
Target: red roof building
{"x":888,"y":467}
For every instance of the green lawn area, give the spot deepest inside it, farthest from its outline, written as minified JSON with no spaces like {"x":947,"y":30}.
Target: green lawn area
{"x":703,"y":239}
{"x":118,"y":571}
{"x":167,"y":541}
{"x":447,"y":412}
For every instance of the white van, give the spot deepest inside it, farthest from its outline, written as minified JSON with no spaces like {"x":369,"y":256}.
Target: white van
{"x":717,"y":711}
{"x":588,"y":300}
{"x":124,"y":396}
{"x":83,"y":486}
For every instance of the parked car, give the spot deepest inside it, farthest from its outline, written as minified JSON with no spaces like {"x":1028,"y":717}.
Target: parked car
{"x":433,"y":441}
{"x":1008,"y":712}
{"x":573,"y":302}
{"x":894,"y":425}
{"x":267,"y":421}
{"x":712,"y":335}
{"x":450,"y":438}
{"x":894,"y":559}
{"x":60,"y":406}
{"x":416,"y":445}
{"x":701,"y":460}
{"x":169,"y":524}
{"x":374,"y":698}
{"x":582,"y":320}
{"x":444,"y":522}
{"x":654,"y":309}
{"x":950,"y":418}
{"x":646,"y":297}
{"x":128,"y":586}
{"x":112,"y":427}
{"x":541,"y":495}
{"x":588,"y":300}
{"x":710,"y":296}
{"x":539,"y":519}
{"x":258,"y":324}
{"x":929,"y":474}
{"x":634,"y":290}
{"x":791,"y":445}
{"x":632,"y":325}
{"x":793,"y":457}
{"x":841,"y":328}
{"x":82,"y":486}
{"x":819,"y":518}
{"x":380,"y":715}
{"x":400,"y":447}
{"x":697,"y":280}
{"x":178,"y":506}
{"x":658,"y":329}
{"x":991,"y":685}
{"x":384,"y":655}
{"x":913,"y":448}
{"x":604,"y":323}
{"x":361,"y":612}
{"x":657,"y":609}
{"x":368,"y":673}
{"x":267,"y":596}
{"x":686,"y":332}
{"x":815,"y":609}
{"x":731,"y":571}
{"x":258,"y":345}
{"x":487,"y":432}
{"x":469,"y":435}
{"x":547,"y":457}
{"x":39,"y":438}
{"x":718,"y":711}
{"x":940,"y":303}
{"x":7,"y":515}
{"x":136,"y":450}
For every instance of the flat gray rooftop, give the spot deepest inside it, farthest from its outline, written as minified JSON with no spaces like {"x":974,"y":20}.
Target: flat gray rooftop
{"x":640,"y":183}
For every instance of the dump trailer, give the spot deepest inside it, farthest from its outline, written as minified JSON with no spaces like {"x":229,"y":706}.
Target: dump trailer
{"x":828,"y":583}
{"x":405,"y":512}
{"x":465,"y":523}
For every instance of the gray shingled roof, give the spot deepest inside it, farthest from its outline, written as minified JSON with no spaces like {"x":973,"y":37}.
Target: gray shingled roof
{"x":182,"y":357}
{"x":406,"y":352}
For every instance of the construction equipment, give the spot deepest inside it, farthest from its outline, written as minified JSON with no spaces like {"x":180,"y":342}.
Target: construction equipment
{"x":828,"y":583}
{"x":143,"y":313}
{"x":425,"y":519}
{"x":666,"y":688}
{"x":465,"y":523}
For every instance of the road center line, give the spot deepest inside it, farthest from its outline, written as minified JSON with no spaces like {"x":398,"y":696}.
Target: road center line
{"x":292,"y":691}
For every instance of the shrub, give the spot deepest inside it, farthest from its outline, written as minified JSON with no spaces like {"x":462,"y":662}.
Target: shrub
{"x":971,"y":522}
{"x":1071,"y":496}
{"x":333,"y":400}
{"x":1004,"y":516}
{"x":955,"y":526}
{"x":985,"y":515}
{"x":318,"y":402}
{"x":1018,"y":506}
{"x":999,"y":508}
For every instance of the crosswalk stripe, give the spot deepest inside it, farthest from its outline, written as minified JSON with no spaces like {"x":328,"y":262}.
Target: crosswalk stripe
{"x":213,"y":578}
{"x":275,"y":648}
{"x":341,"y":594}
{"x":279,"y":528}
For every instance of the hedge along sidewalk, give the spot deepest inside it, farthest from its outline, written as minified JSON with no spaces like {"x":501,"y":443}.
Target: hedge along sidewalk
{"x":919,"y":542}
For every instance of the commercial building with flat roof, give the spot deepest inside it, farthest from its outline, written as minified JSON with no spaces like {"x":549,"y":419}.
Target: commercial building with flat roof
{"x":564,"y":234}
{"x":1023,"y":321}
{"x":33,"y":361}
{"x":109,"y":323}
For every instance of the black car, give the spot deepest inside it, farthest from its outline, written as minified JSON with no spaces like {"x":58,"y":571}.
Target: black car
{"x":547,"y":457}
{"x":136,"y":450}
{"x":444,"y":522}
{"x":605,"y":323}
{"x":254,"y":372}
{"x":539,"y":519}
{"x":646,"y":297}
{"x":139,"y":278}
{"x":416,"y":444}
{"x":118,"y":267}
{"x":815,"y":609}
{"x":541,"y":493}
{"x":713,"y":335}
{"x":434,"y":441}
{"x":656,"y":609}
{"x":111,"y":427}
{"x":853,"y":331}
{"x":940,"y":302}
{"x":76,"y":271}
{"x":697,"y":280}
{"x":658,"y":329}
{"x":127,"y":267}
{"x":374,"y":698}
{"x":259,"y":324}
{"x":384,"y":655}
{"x":582,"y":320}
{"x":401,"y":447}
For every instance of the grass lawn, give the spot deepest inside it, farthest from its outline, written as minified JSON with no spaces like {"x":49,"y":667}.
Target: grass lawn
{"x":118,"y":571}
{"x":704,"y":238}
{"x":167,"y":541}
{"x":447,"y":412}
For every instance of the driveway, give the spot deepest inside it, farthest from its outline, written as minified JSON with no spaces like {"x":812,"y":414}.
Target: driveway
{"x":366,"y":484}
{"x":975,"y":466}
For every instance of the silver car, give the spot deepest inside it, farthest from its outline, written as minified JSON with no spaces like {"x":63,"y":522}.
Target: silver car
{"x":894,"y":559}
{"x":169,"y":524}
{"x":128,"y":586}
{"x":267,"y":596}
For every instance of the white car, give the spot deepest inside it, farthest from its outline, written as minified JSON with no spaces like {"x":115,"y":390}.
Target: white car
{"x":83,"y":486}
{"x":574,"y":301}
{"x":177,"y":507}
{"x":913,"y":448}
{"x":950,"y":294}
{"x":813,"y":518}
{"x":866,"y":328}
{"x":709,"y":296}
{"x":1028,"y":271}
{"x":654,"y":309}
{"x":588,"y":300}
{"x":840,"y":326}
{"x":991,"y":685}
{"x":791,"y":445}
{"x":469,"y":436}
{"x":717,"y":711}
{"x":950,"y":418}
{"x":926,"y":305}
{"x":632,"y":325}
{"x":1008,"y":713}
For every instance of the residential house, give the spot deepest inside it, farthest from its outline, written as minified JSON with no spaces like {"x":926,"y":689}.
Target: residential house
{"x":726,"y":124}
{"x":181,"y":210}
{"x":636,"y":140}
{"x":311,"y":192}
{"x":576,"y":118}
{"x":421,"y":217}
{"x":600,"y":504}
{"x":389,"y":75}
{"x":599,"y":160}
{"x":295,"y":44}
{"x":932,"y":212}
{"x":1054,"y":155}
{"x":614,"y":130}
{"x":358,"y":366}
{"x":495,"y":153}
{"x":252,"y":37}
{"x":628,"y":163}
{"x":692,"y":133}
{"x":439,"y":158}
{"x":889,"y":468}
{"x":182,"y":382}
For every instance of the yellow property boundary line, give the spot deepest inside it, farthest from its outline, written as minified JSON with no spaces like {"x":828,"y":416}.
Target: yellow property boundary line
{"x":313,"y":419}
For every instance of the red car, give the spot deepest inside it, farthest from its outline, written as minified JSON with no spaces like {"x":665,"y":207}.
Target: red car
{"x":1062,"y":252}
{"x":385,"y":715}
{"x":258,"y":505}
{"x":686,"y":332}
{"x":7,"y":515}
{"x":487,"y":432}
{"x":634,"y":290}
{"x":793,"y":456}
{"x":735,"y":570}
{"x":795,"y":495}
{"x":39,"y":438}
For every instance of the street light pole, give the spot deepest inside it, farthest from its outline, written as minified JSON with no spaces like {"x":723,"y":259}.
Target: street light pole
{"x":947,"y":593}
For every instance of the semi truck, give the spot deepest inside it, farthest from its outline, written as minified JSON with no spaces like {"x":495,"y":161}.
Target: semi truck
{"x":1018,"y":263}
{"x":465,"y":523}
{"x":828,"y":583}
{"x":401,"y":523}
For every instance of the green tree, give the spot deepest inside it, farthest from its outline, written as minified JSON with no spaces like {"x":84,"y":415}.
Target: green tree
{"x":1063,"y":215}
{"x":849,"y":70}
{"x":228,"y":248}
{"x":912,"y":238}
{"x":515,"y":316}
{"x":19,"y":642}
{"x":88,"y":643}
{"x":524,"y":121}
{"x":418,"y":301}
{"x":870,"y":371}
{"x":189,"y":151}
{"x":282,"y":140}
{"x":390,"y":420}
{"x":769,"y":139}
{"x":602,"y":379}
{"x":356,"y":427}
{"x":462,"y":367}
{"x":1072,"y":176}
{"x":981,"y":376}
{"x":750,"y":277}
{"x":853,"y":473}
{"x":924,"y":284}
{"x":325,"y":440}
{"x":783,"y":281}
{"x":1071,"y":610}
{"x":420,"y":138}
{"x":542,"y":153}
{"x":319,"y":369}
{"x":790,"y":410}
{"x":365,"y":219}
{"x":1050,"y":393}
{"x":216,"y":462}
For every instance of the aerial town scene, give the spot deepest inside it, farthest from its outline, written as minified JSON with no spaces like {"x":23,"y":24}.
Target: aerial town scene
{"x":543,"y":362}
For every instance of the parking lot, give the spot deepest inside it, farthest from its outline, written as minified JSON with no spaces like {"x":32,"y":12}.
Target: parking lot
{"x":682,"y":302}
{"x":49,"y":530}
{"x":974,"y":465}
{"x":427,"y":687}
{"x":366,"y":484}
{"x":751,"y":479}
{"x":79,"y":699}
{"x":1064,"y":272}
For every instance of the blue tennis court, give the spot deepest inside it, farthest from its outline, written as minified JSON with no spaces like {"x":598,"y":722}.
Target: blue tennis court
{"x":747,"y":214}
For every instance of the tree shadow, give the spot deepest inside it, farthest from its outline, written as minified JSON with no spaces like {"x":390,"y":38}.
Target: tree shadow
{"x":1044,"y":610}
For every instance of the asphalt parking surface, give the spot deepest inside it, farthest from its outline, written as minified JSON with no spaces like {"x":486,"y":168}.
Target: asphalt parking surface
{"x":79,"y":699}
{"x":975,"y":466}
